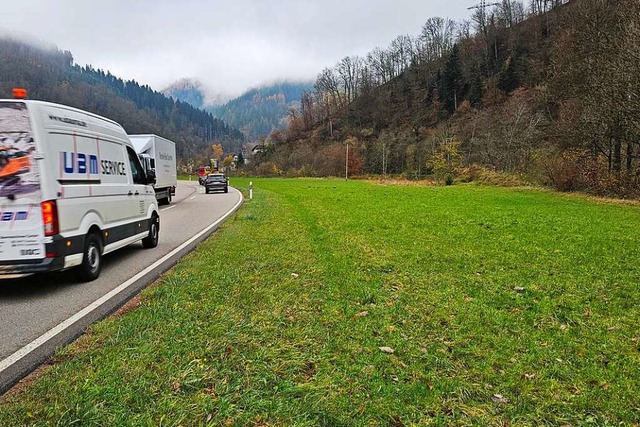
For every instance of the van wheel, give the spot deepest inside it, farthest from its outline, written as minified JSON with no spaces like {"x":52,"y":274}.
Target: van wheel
{"x":91,"y":265}
{"x":151,"y":241}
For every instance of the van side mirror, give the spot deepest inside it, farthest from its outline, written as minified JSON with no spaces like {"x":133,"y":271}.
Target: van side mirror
{"x":151,"y":177}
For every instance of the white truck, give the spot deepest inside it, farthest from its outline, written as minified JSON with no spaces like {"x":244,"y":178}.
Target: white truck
{"x":159,"y":154}
{"x":72,"y":189}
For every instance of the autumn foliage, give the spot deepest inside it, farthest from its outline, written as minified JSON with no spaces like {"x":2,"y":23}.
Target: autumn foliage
{"x":547,"y":91}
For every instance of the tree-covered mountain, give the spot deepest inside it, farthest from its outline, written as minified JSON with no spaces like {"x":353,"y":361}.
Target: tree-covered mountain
{"x":195,"y":93}
{"x":50,"y":74}
{"x":546,"y":89}
{"x":260,"y":111}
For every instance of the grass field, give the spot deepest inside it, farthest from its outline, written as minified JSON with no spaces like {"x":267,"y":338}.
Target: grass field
{"x":332,"y":303}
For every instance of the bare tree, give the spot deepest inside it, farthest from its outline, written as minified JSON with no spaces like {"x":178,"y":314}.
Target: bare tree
{"x":438,"y":36}
{"x":349,"y":70}
{"x":596,"y":70}
{"x":328,"y":84}
{"x":307,"y":109}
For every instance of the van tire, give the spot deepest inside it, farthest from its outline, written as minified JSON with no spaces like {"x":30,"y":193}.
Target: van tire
{"x":151,"y":241}
{"x":91,"y":265}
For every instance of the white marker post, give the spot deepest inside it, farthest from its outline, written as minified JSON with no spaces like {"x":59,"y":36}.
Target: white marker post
{"x":250,"y":190}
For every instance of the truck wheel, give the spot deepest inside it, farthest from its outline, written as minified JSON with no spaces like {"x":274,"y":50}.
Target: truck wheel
{"x":151,"y":241}
{"x":91,"y":265}
{"x":226,"y":189}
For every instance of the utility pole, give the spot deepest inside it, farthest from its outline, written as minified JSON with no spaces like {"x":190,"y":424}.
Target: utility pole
{"x":384,"y":161}
{"x":346,"y":164}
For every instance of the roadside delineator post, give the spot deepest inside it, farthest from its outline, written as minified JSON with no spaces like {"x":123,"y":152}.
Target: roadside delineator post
{"x":250,"y":190}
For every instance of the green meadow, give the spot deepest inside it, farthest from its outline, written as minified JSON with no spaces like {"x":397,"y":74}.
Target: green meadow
{"x":332,"y":303}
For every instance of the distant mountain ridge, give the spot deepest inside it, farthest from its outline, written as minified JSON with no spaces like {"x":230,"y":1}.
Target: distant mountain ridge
{"x":50,"y":74}
{"x":194,"y":92}
{"x":260,"y":111}
{"x":257,"y":112}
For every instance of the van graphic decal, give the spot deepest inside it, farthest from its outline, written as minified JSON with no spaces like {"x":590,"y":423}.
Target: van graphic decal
{"x":68,"y":121}
{"x":21,"y":230}
{"x":87,"y":167}
{"x":18,"y":170}
{"x":14,"y":216}
{"x":110,"y":167}
{"x":79,"y":163}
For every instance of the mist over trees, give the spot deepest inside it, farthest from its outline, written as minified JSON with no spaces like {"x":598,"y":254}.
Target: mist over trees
{"x":547,"y":89}
{"x":262,"y":110}
{"x":50,"y":74}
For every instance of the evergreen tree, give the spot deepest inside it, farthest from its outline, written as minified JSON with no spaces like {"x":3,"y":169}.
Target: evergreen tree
{"x":512,"y":75}
{"x":476,"y":91}
{"x":452,"y":88}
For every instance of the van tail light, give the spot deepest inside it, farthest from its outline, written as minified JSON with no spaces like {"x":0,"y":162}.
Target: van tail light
{"x":50,"y":217}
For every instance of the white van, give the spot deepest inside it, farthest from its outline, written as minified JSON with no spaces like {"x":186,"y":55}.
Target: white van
{"x":71,"y":190}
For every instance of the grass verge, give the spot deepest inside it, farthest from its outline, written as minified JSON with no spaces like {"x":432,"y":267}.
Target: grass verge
{"x":324,"y":302}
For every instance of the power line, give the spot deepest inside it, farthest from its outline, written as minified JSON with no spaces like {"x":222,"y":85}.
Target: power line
{"x":483,"y":5}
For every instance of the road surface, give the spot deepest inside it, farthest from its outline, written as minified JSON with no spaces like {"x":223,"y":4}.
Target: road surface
{"x":41,"y":313}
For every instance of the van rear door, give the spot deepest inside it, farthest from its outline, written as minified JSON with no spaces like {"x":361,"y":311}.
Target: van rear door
{"x":21,"y":226}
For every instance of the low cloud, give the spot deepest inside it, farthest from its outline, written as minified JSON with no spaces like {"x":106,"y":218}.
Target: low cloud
{"x":229,"y":46}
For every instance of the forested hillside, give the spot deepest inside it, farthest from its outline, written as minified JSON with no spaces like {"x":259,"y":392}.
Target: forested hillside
{"x":260,"y":111}
{"x":195,"y":93}
{"x":50,"y":74}
{"x":547,"y":90}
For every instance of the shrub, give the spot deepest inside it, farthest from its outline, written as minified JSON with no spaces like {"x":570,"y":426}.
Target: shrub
{"x":446,"y":161}
{"x":580,"y":170}
{"x":269,"y":169}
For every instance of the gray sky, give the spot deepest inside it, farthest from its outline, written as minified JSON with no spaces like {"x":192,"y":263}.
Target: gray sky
{"x":229,"y":45}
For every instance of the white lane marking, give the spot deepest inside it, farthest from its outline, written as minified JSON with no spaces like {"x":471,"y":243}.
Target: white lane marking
{"x":192,"y":197}
{"x":42,"y":339}
{"x":166,"y":209}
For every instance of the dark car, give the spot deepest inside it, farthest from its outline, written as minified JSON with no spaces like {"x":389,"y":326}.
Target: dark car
{"x":216,"y":182}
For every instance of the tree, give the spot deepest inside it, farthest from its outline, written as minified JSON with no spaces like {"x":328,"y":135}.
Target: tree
{"x":452,"y":90}
{"x":437,"y":38}
{"x":217,"y":151}
{"x":446,"y":161}
{"x":476,"y":90}
{"x":349,"y":71}
{"x":228,"y":161}
{"x":512,"y":76}
{"x":595,"y":71}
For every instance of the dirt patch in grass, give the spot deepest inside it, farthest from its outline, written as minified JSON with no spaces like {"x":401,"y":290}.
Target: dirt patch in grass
{"x":129,"y":306}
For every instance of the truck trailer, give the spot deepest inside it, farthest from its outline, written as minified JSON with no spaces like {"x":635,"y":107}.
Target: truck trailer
{"x":159,"y":154}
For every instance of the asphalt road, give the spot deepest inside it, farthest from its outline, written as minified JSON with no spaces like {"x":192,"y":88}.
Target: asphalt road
{"x":33,"y":306}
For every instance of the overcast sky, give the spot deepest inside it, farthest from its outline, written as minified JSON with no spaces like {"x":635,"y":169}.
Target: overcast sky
{"x":229,"y":45}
